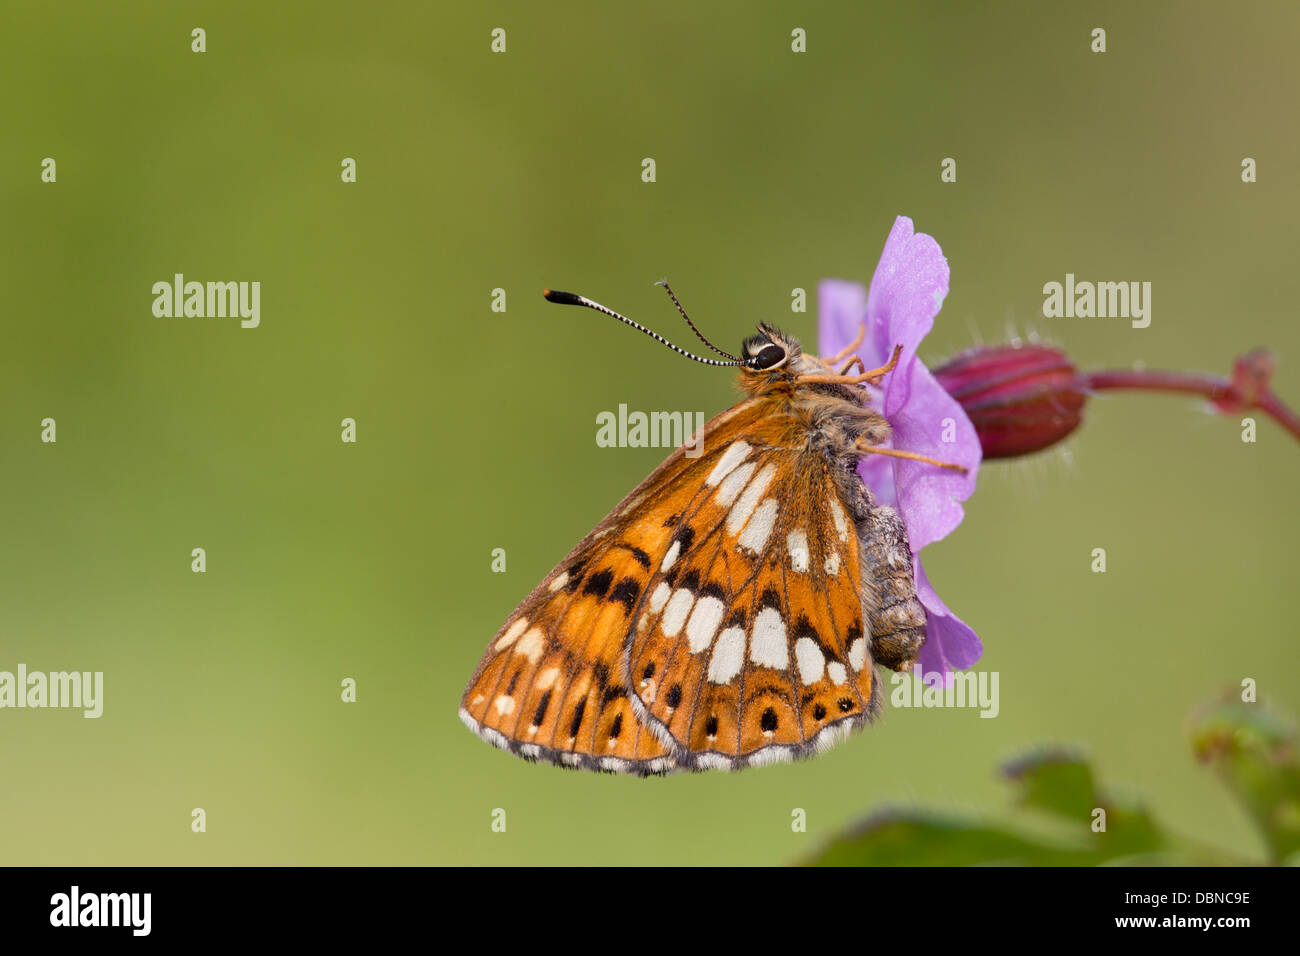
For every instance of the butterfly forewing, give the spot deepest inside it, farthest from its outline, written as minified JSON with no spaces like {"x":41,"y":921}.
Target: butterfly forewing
{"x":549,"y":684}
{"x":553,"y":683}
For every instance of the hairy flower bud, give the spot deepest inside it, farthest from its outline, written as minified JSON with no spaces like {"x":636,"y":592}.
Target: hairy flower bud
{"x":1019,"y":398}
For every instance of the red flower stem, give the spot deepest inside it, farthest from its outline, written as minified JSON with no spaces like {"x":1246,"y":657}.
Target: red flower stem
{"x":1272,"y":406}
{"x":1196,"y":383}
{"x":1215,"y":389}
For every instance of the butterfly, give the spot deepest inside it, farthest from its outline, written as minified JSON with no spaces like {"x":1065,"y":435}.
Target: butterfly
{"x":732,"y":609}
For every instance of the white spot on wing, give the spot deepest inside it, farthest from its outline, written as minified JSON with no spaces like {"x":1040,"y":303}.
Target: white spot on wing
{"x":841,"y":520}
{"x":728,"y":655}
{"x":675,"y":613}
{"x":838,"y":674}
{"x":509,"y":636}
{"x":560,"y":582}
{"x":833,"y":563}
{"x":671,"y":557}
{"x":811,"y":661}
{"x":743,"y":508}
{"x":505,"y":705}
{"x":767,"y":644}
{"x":547,"y":678}
{"x":732,"y":457}
{"x":530,"y":645}
{"x":733,"y":484}
{"x":796,"y":543}
{"x":858,"y":653}
{"x":759,"y":527}
{"x":704,"y":623}
{"x":660,"y":598}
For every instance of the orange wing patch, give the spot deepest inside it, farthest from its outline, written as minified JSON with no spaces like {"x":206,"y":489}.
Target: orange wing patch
{"x":548,"y":686}
{"x":753,"y":626}
{"x":713,"y":619}
{"x":553,"y":684}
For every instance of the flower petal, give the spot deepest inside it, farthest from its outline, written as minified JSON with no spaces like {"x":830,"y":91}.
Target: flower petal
{"x":907,"y":291}
{"x":841,"y":310}
{"x":950,"y":643}
{"x":929,"y":498}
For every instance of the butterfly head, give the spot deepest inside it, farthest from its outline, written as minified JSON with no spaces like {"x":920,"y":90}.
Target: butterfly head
{"x":770,"y":355}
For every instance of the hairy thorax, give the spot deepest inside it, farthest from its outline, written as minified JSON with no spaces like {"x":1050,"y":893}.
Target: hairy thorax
{"x":832,"y":420}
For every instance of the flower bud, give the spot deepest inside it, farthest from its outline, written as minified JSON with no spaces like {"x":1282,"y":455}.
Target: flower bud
{"x":1019,"y":398}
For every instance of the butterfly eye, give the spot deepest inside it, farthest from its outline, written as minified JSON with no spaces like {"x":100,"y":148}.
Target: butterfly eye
{"x":770,"y":355}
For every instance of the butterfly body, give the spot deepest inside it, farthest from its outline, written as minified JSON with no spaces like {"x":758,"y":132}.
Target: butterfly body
{"x":730,"y":611}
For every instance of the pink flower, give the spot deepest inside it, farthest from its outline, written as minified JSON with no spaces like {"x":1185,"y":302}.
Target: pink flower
{"x":906,"y":293}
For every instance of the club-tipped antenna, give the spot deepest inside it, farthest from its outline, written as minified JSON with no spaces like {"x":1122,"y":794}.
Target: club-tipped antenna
{"x":570,"y":298}
{"x":672,"y":295}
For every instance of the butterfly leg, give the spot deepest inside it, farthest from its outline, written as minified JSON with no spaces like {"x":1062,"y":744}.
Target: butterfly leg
{"x":872,"y":377}
{"x":910,"y":456}
{"x":895,"y":617}
{"x":849,"y":349}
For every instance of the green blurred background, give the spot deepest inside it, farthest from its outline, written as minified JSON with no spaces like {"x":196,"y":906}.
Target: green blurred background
{"x":477,"y":429}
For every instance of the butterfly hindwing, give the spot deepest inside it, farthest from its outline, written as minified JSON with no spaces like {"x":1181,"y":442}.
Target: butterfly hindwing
{"x":752,"y":627}
{"x":714,"y":619}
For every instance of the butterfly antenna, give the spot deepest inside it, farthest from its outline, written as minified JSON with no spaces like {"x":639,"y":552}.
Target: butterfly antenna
{"x":673,"y":296}
{"x":569,"y":298}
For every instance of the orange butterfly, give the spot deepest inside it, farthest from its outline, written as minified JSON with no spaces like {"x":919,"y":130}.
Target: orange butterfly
{"x":730,"y":611}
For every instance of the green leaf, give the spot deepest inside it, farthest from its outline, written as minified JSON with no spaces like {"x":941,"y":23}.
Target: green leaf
{"x":918,"y":838}
{"x":1254,"y":753}
{"x":1251,"y":750}
{"x":1057,"y":781}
